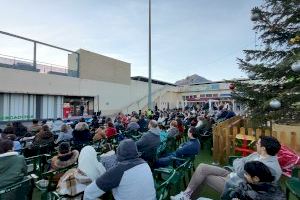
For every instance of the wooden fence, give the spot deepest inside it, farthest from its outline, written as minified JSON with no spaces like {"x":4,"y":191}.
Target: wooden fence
{"x":225,"y":132}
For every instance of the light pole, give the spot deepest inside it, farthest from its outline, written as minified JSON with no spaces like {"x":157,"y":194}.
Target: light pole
{"x":149,"y":77}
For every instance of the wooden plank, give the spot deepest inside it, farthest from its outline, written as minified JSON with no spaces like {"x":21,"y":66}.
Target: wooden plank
{"x":250,"y":131}
{"x":283,"y":138}
{"x":293,"y":143}
{"x":267,"y":132}
{"x":215,"y":145}
{"x":227,"y":143}
{"x":274,"y":134}
{"x":234,"y":133}
{"x":258,"y":133}
{"x":242,"y":131}
{"x":221,"y":149}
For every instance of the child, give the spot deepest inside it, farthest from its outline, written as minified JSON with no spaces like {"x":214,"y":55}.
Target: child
{"x":258,"y":185}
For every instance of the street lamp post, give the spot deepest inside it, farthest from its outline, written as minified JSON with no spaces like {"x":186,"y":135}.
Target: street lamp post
{"x":149,"y":78}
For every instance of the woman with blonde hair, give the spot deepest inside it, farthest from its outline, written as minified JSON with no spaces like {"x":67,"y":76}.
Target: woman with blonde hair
{"x":173,"y":130}
{"x":81,"y":133}
{"x":65,"y":134}
{"x":45,"y":136}
{"x":99,"y":134}
{"x":74,"y":181}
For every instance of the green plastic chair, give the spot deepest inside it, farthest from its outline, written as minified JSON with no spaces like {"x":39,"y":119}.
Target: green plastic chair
{"x":52,"y":177}
{"x":180,"y":171}
{"x":163,"y":189}
{"x":230,"y":163}
{"x":21,"y":190}
{"x":38,"y":163}
{"x":55,"y":196}
{"x":293,"y":184}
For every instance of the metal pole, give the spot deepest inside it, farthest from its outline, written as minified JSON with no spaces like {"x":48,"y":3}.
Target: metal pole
{"x":149,"y":78}
{"x":34,"y":54}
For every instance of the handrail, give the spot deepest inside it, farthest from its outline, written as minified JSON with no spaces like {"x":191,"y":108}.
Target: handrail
{"x":144,"y":97}
{"x":38,"y":62}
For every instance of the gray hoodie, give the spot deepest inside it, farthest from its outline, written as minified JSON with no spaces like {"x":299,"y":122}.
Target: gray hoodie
{"x":237,"y":176}
{"x":148,"y":144}
{"x":130,"y":179}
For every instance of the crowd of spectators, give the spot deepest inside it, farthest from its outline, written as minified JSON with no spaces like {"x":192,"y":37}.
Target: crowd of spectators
{"x":126,"y":170}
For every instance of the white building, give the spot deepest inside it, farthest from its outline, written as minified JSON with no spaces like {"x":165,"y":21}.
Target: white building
{"x":92,"y":83}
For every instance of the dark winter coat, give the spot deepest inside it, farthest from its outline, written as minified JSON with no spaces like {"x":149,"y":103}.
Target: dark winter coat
{"x":261,"y":191}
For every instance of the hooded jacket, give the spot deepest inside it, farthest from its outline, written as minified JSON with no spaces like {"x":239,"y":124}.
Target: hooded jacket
{"x":43,"y":137}
{"x":148,"y":144}
{"x":261,"y":191}
{"x":130,"y":179}
{"x":8,"y":174}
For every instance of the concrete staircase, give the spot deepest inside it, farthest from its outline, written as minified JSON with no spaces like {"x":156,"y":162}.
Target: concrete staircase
{"x":142,"y":103}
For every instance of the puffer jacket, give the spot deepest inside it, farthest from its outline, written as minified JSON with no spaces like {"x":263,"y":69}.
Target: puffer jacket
{"x":261,"y":191}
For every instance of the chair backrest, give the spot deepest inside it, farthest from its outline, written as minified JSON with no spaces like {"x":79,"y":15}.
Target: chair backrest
{"x":163,"y":190}
{"x":37,"y":163}
{"x":20,"y":190}
{"x":53,"y":176}
{"x":296,"y":172}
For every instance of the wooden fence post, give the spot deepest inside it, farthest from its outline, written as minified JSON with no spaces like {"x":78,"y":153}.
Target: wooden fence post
{"x":258,"y":133}
{"x":242,"y":131}
{"x":293,"y":140}
{"x":267,"y":132}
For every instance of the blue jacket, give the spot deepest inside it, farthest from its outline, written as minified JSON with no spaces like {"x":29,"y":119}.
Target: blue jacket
{"x":189,"y":148}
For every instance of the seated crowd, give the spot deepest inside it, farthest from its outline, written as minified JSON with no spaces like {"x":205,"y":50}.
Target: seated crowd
{"x":126,"y":171}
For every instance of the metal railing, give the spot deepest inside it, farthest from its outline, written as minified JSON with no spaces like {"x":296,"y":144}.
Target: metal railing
{"x":41,"y":67}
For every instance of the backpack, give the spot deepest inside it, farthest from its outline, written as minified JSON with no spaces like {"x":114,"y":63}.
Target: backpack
{"x":287,"y":159}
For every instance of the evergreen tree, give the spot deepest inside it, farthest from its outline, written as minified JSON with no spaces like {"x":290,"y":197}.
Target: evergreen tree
{"x":272,"y":67}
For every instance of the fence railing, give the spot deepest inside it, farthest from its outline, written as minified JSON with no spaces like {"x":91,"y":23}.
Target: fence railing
{"x":41,"y":67}
{"x":224,"y":137}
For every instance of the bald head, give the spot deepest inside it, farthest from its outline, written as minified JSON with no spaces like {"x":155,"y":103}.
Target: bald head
{"x":153,"y":124}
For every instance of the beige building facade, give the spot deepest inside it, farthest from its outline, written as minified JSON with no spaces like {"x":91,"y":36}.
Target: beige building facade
{"x":102,"y":83}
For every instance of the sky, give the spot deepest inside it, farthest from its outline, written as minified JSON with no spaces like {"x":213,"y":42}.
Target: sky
{"x":202,"y":37}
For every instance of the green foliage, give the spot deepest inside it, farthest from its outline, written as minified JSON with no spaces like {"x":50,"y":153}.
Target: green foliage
{"x":277,"y":24}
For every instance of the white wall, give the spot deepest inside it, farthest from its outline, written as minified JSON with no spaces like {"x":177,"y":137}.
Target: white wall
{"x":112,"y":96}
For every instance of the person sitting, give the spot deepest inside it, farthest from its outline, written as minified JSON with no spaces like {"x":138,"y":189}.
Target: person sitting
{"x":180,"y":126}
{"x":173,"y":130}
{"x":187,"y":149}
{"x":81,"y":133}
{"x":45,"y":136}
{"x":95,"y":122}
{"x":57,"y":125}
{"x":13,"y":167}
{"x":230,"y":114}
{"x":163,"y":133}
{"x":149,"y":142}
{"x":130,"y":179}
{"x":110,"y":131}
{"x":142,"y":123}
{"x":19,"y":129}
{"x":108,"y":157}
{"x":17,"y":144}
{"x":75,"y":180}
{"x":65,"y":157}
{"x":65,"y":134}
{"x":258,"y":184}
{"x":35,"y":127}
{"x":118,"y":125}
{"x":133,"y":125}
{"x":216,"y":177}
{"x":99,"y":134}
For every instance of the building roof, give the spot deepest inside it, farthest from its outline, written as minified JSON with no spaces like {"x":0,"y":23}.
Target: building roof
{"x":145,"y":79}
{"x":223,"y":81}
